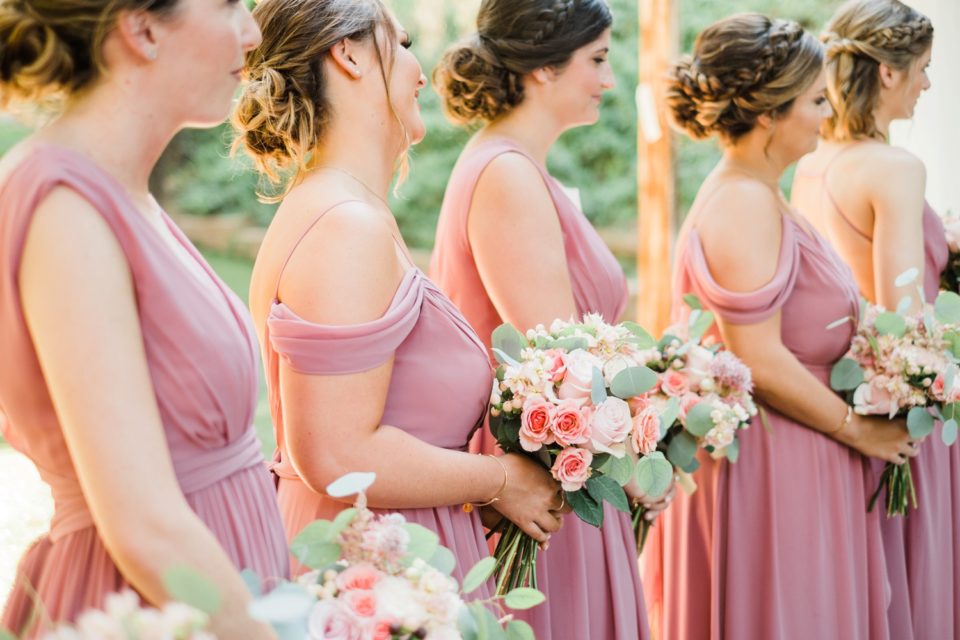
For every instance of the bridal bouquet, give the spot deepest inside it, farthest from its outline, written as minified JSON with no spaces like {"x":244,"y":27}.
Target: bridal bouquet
{"x":950,"y":278}
{"x":905,"y":365}
{"x":702,"y":398}
{"x":572,"y":397}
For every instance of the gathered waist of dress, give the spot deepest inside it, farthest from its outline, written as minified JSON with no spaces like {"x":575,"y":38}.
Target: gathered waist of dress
{"x":196,"y":470}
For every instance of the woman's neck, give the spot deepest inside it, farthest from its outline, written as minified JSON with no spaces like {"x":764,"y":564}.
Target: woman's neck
{"x":532,"y":128}
{"x":374,"y":167}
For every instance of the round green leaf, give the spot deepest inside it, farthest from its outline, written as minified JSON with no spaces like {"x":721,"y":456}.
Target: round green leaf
{"x":443,"y":560}
{"x":947,"y":307}
{"x":508,"y":340}
{"x":669,"y":415}
{"x":919,"y":422}
{"x":316,"y":545}
{"x":185,"y":584}
{"x":891,"y":324}
{"x":633,"y":381}
{"x":682,"y":451}
{"x":519,"y":630}
{"x":342,"y":521}
{"x":907,"y":277}
{"x":251,"y":579}
{"x":692,"y":301}
{"x":479,"y":574}
{"x":733,"y":451}
{"x":699,"y":421}
{"x":571,"y":343}
{"x":654,"y":474}
{"x":523,"y":598}
{"x":949,"y":432}
{"x":701,"y":324}
{"x":351,"y":484}
{"x":598,"y":389}
{"x":846,"y":375}
{"x":642,"y":338}
{"x":620,"y":469}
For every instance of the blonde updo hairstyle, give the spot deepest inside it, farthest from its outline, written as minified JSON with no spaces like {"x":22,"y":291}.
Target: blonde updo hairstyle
{"x":283,"y":110}
{"x":742,"y":67}
{"x":860,"y":36}
{"x":481,"y":78}
{"x":52,"y":49}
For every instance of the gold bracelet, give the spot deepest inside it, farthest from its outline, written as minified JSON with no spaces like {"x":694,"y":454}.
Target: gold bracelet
{"x":847,"y":417}
{"x":469,"y":506}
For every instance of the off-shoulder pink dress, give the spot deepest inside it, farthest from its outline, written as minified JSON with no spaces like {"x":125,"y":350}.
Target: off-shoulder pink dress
{"x":778,"y":545}
{"x":923,"y":548}
{"x":201,"y":351}
{"x":439,"y":389}
{"x":589,"y":575}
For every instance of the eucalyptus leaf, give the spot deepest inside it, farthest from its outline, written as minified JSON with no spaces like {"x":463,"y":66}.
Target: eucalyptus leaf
{"x":703,"y":323}
{"x":669,"y":415}
{"x":949,"y":432}
{"x":643,"y":339}
{"x":839,"y":322}
{"x":604,"y":489}
{"x":423,"y":542}
{"x":654,"y":474}
{"x":519,"y":630}
{"x":904,"y":305}
{"x":504,"y":359}
{"x":633,"y":381}
{"x":682,"y":451}
{"x":443,"y":560}
{"x":523,"y":598}
{"x":907,"y":277}
{"x":508,"y":340}
{"x":467,"y":624}
{"x":699,"y":421}
{"x":692,"y":301}
{"x":185,"y":584}
{"x":598,"y":389}
{"x":571,"y":343}
{"x":620,"y":469}
{"x":891,"y":324}
{"x":846,"y":375}
{"x":342,"y":521}
{"x":479,"y":574}
{"x":947,"y":307}
{"x":586,"y":508}
{"x":251,"y":579}
{"x":351,"y":484}
{"x":487,"y":625}
{"x":733,"y":451}
{"x":919,"y":423}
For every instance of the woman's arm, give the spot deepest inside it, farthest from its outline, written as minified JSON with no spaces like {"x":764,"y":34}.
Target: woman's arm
{"x":346,"y":271}
{"x":79,"y":305}
{"x":896,"y":193}
{"x":741,"y":241}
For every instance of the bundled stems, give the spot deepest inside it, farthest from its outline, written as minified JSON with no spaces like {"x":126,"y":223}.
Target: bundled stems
{"x":641,"y":526}
{"x":516,"y":555}
{"x":901,"y":494}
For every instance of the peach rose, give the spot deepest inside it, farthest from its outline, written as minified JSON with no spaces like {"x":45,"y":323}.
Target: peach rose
{"x":361,"y":602}
{"x":535,"y":423}
{"x":382,"y":629}
{"x":646,"y":431}
{"x":556,"y":365}
{"x":874,"y":398}
{"x":610,"y":426}
{"x":359,"y":577}
{"x":572,"y":468}
{"x":638,"y":403}
{"x":571,"y":423}
{"x":674,"y":383}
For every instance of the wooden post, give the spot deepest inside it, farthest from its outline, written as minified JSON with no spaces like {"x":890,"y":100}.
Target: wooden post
{"x":655,"y":175}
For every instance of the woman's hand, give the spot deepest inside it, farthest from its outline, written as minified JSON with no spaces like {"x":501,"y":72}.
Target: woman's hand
{"x":531,"y":498}
{"x":879,"y":437}
{"x":653,"y":506}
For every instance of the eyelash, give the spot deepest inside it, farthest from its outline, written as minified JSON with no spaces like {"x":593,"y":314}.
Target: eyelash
{"x":599,"y":60}
{"x":819,"y":101}
{"x":407,"y":43}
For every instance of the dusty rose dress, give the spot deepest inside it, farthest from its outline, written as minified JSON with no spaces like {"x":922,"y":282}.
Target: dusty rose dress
{"x":589,"y":575}
{"x":438,"y":393}
{"x":778,"y":545}
{"x":922,"y":549}
{"x":201,"y":351}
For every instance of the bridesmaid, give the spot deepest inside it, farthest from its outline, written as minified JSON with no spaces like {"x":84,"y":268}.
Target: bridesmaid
{"x":778,"y":545}
{"x":535,"y":69}
{"x":369,"y":366}
{"x":129,"y":370}
{"x":867,"y":197}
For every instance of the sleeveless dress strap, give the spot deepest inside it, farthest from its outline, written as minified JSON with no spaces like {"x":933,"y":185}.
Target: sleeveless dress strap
{"x":833,"y":200}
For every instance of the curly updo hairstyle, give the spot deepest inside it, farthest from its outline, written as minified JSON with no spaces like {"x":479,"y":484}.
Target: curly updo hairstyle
{"x":481,"y":78}
{"x":50,"y":49}
{"x":283,"y":109}
{"x":742,"y":67}
{"x":860,"y":36}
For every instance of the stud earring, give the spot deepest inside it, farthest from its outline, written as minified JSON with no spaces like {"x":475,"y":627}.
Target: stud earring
{"x":151,"y":54}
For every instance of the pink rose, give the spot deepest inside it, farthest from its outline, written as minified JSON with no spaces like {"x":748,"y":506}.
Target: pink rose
{"x":556,"y":366}
{"x":937,"y":388}
{"x":646,"y":431}
{"x":578,"y":378}
{"x":382,"y":629}
{"x":572,"y":468}
{"x":638,"y":403}
{"x":360,"y":577}
{"x":674,"y":383}
{"x":361,"y":602}
{"x":571,"y":423}
{"x":688,"y":401}
{"x":610,"y":426}
{"x":331,"y":621}
{"x":535,"y":423}
{"x":874,"y":398}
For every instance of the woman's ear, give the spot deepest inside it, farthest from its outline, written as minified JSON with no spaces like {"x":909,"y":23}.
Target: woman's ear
{"x":765,"y":120}
{"x":137,"y":33}
{"x":345,"y":57}
{"x":889,"y":77}
{"x":543,"y":75}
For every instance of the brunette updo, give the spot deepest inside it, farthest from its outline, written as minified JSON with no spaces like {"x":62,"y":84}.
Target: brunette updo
{"x":281,"y":114}
{"x":481,"y":78}
{"x":54,"y":48}
{"x":742,"y":67}
{"x":861,"y":35}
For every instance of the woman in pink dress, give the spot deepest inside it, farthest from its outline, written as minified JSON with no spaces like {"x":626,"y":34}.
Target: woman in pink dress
{"x":867,"y":197}
{"x":129,"y":370}
{"x":369,"y":366}
{"x":778,"y":545}
{"x":511,"y":246}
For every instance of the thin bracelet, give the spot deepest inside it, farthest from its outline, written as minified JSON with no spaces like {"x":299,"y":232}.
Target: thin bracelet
{"x":469,"y":506}
{"x":847,"y":417}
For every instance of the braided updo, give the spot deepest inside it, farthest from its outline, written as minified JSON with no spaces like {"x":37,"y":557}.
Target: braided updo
{"x":53,"y":48}
{"x":481,"y":78}
{"x":860,"y":36}
{"x":283,"y":110}
{"x":742,"y":67}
